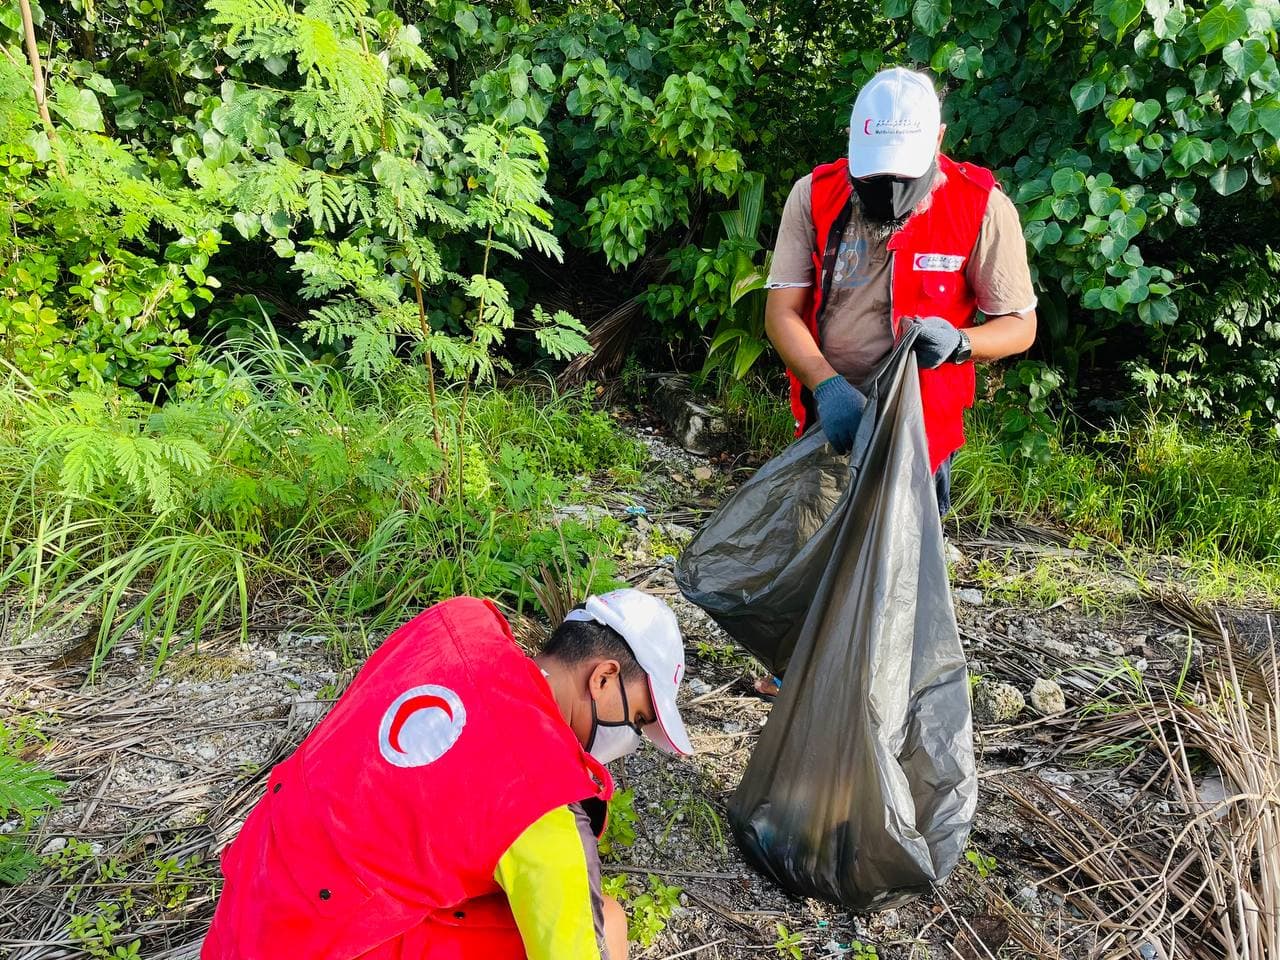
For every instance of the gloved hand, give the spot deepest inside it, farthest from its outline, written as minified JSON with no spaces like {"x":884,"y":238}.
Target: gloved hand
{"x":839,"y":411}
{"x":936,"y":342}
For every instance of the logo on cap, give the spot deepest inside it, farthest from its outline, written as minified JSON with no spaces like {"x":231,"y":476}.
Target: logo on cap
{"x":420,"y":726}
{"x":892,"y":128}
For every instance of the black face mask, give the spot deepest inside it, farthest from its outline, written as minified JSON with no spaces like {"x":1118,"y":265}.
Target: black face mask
{"x":886,"y":199}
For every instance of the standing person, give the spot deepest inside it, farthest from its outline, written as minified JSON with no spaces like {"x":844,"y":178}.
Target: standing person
{"x":893,"y":235}
{"x":447,"y":808}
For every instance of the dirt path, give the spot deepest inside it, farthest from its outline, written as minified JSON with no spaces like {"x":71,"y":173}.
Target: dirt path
{"x":162,"y":771}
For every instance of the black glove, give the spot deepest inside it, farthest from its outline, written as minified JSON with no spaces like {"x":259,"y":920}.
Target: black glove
{"x":936,"y":343}
{"x":839,"y":411}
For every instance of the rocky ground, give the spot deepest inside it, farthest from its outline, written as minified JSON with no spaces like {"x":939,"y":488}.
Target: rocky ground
{"x":163,"y":768}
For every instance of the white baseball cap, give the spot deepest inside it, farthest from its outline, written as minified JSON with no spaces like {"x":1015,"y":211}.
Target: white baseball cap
{"x":894,"y":127}
{"x":651,"y":631}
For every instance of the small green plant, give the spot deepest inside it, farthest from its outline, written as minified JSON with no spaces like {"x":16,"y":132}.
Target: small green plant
{"x":858,"y":950}
{"x":685,"y":804}
{"x":70,"y":858}
{"x":974,"y":680}
{"x":788,"y":942}
{"x":26,"y":791}
{"x":984,"y":864}
{"x":660,"y":545}
{"x":721,"y":654}
{"x":100,"y":931}
{"x":615,"y":886}
{"x":173,"y":880}
{"x":651,"y":910}
{"x":620,"y":830}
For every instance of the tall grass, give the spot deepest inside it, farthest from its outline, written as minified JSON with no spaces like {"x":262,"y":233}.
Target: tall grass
{"x":282,"y":484}
{"x":1155,"y":484}
{"x":1210,"y":497}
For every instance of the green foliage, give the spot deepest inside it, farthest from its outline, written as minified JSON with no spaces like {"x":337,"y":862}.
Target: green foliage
{"x":100,"y":268}
{"x":788,"y":943}
{"x":651,"y":910}
{"x":615,"y":886}
{"x":984,"y":865}
{"x":620,"y":829}
{"x":26,"y":791}
{"x":285,"y":471}
{"x":1157,"y":157}
{"x":1222,"y":355}
{"x":1022,"y":404}
{"x":758,"y":411}
{"x":722,"y":288}
{"x":335,"y":140}
{"x":100,"y":932}
{"x":1157,"y":485}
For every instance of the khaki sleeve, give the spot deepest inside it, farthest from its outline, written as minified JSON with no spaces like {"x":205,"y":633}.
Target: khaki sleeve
{"x":792,"y":264}
{"x":998,"y":271}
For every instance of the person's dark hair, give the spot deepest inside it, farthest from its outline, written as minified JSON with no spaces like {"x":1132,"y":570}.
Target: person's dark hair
{"x":577,"y":640}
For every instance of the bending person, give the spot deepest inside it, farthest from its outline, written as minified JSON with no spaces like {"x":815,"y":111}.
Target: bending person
{"x":448,"y":805}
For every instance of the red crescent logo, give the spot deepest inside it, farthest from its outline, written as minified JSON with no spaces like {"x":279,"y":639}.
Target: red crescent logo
{"x":866,"y":127}
{"x":410,"y":707}
{"x":421,"y":725}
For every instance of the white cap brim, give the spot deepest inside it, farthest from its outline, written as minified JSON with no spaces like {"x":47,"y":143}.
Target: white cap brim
{"x":909,"y":162}
{"x":668,"y":734}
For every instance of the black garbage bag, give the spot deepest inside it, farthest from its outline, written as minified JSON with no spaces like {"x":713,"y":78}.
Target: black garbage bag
{"x":862,"y":788}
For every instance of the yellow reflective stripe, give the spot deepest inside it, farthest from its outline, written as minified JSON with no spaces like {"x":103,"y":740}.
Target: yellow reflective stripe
{"x":544,"y":874}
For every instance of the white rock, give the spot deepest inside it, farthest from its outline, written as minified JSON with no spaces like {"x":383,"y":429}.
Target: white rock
{"x":1047,"y":697}
{"x":1057,"y":778}
{"x":53,"y":846}
{"x":973,"y":598}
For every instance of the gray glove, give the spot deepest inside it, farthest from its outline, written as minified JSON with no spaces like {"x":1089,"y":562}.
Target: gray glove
{"x":936,"y":343}
{"x":839,"y":411}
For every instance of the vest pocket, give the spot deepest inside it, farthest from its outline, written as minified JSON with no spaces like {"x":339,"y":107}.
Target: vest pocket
{"x":942,"y":286}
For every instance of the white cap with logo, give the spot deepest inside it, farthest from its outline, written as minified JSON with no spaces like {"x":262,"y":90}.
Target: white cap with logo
{"x":894,"y":127}
{"x":651,"y":631}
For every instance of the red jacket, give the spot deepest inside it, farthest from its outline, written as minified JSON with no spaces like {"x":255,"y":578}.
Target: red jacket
{"x":928,"y":280}
{"x":398,"y":806}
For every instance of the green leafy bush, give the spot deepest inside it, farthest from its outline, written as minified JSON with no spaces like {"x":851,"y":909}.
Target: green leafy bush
{"x":286,"y":475}
{"x":1139,"y":141}
{"x":333,"y":137}
{"x":90,"y":289}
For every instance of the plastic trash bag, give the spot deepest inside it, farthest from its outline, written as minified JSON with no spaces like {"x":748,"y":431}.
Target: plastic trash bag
{"x":862,"y":788}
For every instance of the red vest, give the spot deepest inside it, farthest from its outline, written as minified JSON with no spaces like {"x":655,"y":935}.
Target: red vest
{"x":929,"y":256}
{"x":394,"y":812}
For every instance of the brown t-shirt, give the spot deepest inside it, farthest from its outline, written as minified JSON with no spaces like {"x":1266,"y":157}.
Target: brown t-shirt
{"x":857,"y":331}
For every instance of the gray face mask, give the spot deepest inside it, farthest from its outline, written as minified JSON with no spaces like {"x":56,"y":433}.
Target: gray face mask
{"x":890,"y":199}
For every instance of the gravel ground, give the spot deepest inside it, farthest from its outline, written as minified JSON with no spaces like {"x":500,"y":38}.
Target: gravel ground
{"x":161,"y":770}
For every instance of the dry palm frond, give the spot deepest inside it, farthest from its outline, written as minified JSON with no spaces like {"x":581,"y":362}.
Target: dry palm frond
{"x":610,"y":339}
{"x":1204,"y":880}
{"x":555,"y":592}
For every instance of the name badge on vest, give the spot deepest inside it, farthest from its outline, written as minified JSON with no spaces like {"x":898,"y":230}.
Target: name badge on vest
{"x":937,"y":262}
